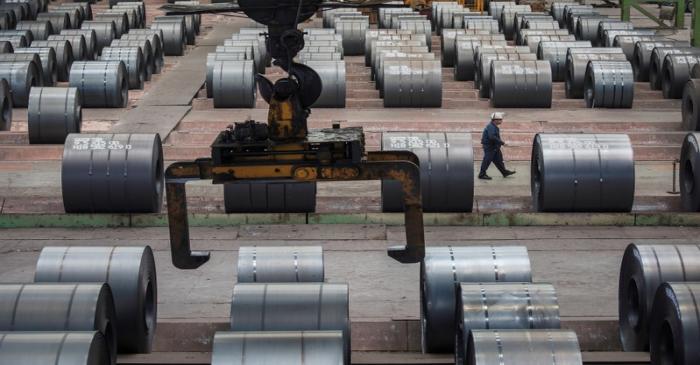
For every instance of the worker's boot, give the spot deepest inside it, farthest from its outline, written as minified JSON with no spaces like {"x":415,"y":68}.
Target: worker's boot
{"x":484,"y":176}
{"x":507,"y":173}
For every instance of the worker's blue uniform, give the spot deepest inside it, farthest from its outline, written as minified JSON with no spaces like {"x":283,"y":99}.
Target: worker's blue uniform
{"x":491,"y":142}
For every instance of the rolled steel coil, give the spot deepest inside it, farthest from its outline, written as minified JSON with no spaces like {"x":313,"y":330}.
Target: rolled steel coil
{"x":610,"y":34}
{"x":436,"y":15}
{"x":353,"y":33}
{"x":398,"y":18}
{"x":555,"y":52}
{"x":6,"y":47}
{"x":77,"y":44}
{"x":485,"y":24}
{"x":15,"y":32}
{"x":132,"y":18}
{"x":520,"y":18}
{"x":17,"y":11}
{"x":338,"y":46}
{"x":75,"y":348}
{"x":32,"y":7}
{"x":521,"y":84}
{"x":74,"y":15}
{"x":153,"y":41}
{"x":130,"y":273}
{"x":573,"y":10}
{"x":197,"y":18}
{"x":332,"y":74}
{"x":445,"y":17}
{"x":257,"y":56}
{"x":292,"y":307}
{"x":418,"y":27}
{"x":90,"y":41}
{"x":386,"y":41}
{"x":572,"y":22}
{"x":587,"y":28}
{"x":447,"y":170}
{"x":290,"y":347}
{"x":16,"y":41}
{"x":9,"y":17}
{"x":233,"y":84}
{"x":675,"y":73}
{"x":21,"y":76}
{"x":102,"y":84}
{"x":133,"y":61}
{"x":642,"y":56}
{"x":612,"y":24}
{"x":40,"y":29}
{"x":609,"y":84}
{"x":64,"y":56}
{"x":344,"y":12}
{"x":495,"y":306}
{"x":412,"y":83}
{"x":372,"y":34}
{"x":690,"y":105}
{"x":484,"y":69}
{"x":644,"y":269}
{"x":448,"y":45}
{"x":444,"y":267}
{"x":496,"y":7}
{"x":394,"y":45}
{"x":105,"y":32}
{"x":23,"y":57}
{"x":173,"y":37}
{"x":688,"y":176}
{"x":576,"y":63}
{"x":265,"y":57}
{"x":45,"y":307}
{"x":271,"y":197}
{"x":53,"y":113}
{"x":482,"y":49}
{"x":538,"y":23}
{"x":59,"y":20}
{"x":507,"y":21}
{"x":112,"y":173}
{"x":396,"y":55}
{"x":281,"y":264}
{"x":5,"y":106}
{"x":188,"y":24}
{"x":675,"y":324}
{"x":465,"y":55}
{"x":656,"y":62}
{"x":523,"y":347}
{"x":213,"y":57}
{"x":627,"y":42}
{"x":459,"y":16}
{"x":308,"y":31}
{"x":582,"y":173}
{"x":139,"y":7}
{"x":47,"y":58}
{"x":120,"y":20}
{"x":533,"y":41}
{"x":144,"y":46}
{"x":330,"y":56}
{"x":525,"y":33}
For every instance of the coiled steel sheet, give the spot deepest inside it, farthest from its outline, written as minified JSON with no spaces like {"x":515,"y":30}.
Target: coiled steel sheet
{"x":77,"y":44}
{"x":120,"y":20}
{"x":233,"y":84}
{"x":587,"y":28}
{"x":656,"y":63}
{"x":187,"y":22}
{"x":332,"y":74}
{"x":151,"y":40}
{"x":642,"y":56}
{"x":521,"y":84}
{"x":53,"y":113}
{"x":102,"y":84}
{"x":244,"y":54}
{"x":676,"y":71}
{"x":609,"y":84}
{"x":520,"y":347}
{"x":555,"y":52}
{"x":75,"y":348}
{"x":627,"y":42}
{"x":64,"y":56}
{"x":484,"y":69}
{"x":689,"y":179}
{"x":105,"y":32}
{"x":675,"y":324}
{"x":690,"y":105}
{"x":577,"y":62}
{"x":144,"y":45}
{"x":465,"y":65}
{"x":59,"y":20}
{"x":133,"y":61}
{"x":47,"y":59}
{"x":21,"y":76}
{"x":353,"y":35}
{"x":281,"y":264}
{"x":173,"y":36}
{"x":5,"y":106}
{"x":412,"y":83}
{"x":272,"y":197}
{"x":533,"y":40}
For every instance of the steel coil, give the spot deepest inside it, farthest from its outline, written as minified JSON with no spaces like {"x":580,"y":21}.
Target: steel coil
{"x":484,"y":69}
{"x":459,"y":16}
{"x":540,"y":23}
{"x":173,"y":37}
{"x":90,"y":39}
{"x":133,"y":61}
{"x":74,"y":15}
{"x":153,"y":42}
{"x":16,"y":41}
{"x":5,"y":106}
{"x":611,"y":34}
{"x":270,"y":197}
{"x":290,"y":347}
{"x":60,"y":307}
{"x":344,"y":12}
{"x":140,"y":8}
{"x":132,"y":20}
{"x":465,"y":56}
{"x":447,"y":41}
{"x":576,"y":63}
{"x":523,"y":347}
{"x":627,"y":43}
{"x":690,"y":105}
{"x":491,"y":48}
{"x":676,"y":71}
{"x":196,"y":18}
{"x":353,"y":33}
{"x":59,"y":20}
{"x":571,"y":11}
{"x":21,"y":76}
{"x":258,"y":57}
{"x":213,"y":57}
{"x":292,"y":307}
{"x":503,"y":306}
{"x":187,"y":23}
{"x":47,"y":58}
{"x":608,"y":84}
{"x":16,"y":33}
{"x":418,"y":27}
{"x":525,"y":84}
{"x":582,"y":173}
{"x":644,"y":269}
{"x":6,"y":47}
{"x":281,"y":264}
{"x":587,"y":28}
{"x":520,"y":19}
{"x":105,"y":32}
{"x":53,"y":113}
{"x":112,"y":173}
{"x":412,"y":83}
{"x":688,"y":178}
{"x":332,"y":74}
{"x":533,"y":41}
{"x":75,"y":348}
{"x":489,"y":25}
{"x":396,"y":55}
{"x":130,"y":273}
{"x":33,"y":7}
{"x":642,"y":56}
{"x":9,"y":17}
{"x":120,"y":20}
{"x":507,"y":22}
{"x":233,"y":84}
{"x":24,"y":57}
{"x":394,"y":45}
{"x":64,"y":56}
{"x":102,"y":84}
{"x":262,"y":44}
{"x":18,"y":11}
{"x":77,"y":44}
{"x":398,"y":18}
{"x":496,"y":7}
{"x":373,"y":34}
{"x":675,"y":324}
{"x":144,"y":45}
{"x":611,"y":24}
{"x":444,"y":267}
{"x":525,"y":33}
{"x":555,"y":52}
{"x":331,"y":56}
{"x":445,"y":17}
{"x":557,"y":8}
{"x":656,"y":62}
{"x":446,"y":168}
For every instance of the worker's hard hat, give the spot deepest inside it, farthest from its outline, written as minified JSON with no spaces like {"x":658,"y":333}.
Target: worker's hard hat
{"x":497,"y":115}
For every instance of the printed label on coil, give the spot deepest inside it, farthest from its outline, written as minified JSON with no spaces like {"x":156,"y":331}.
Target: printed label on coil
{"x":97,"y":143}
{"x":413,"y":142}
{"x":575,"y":144}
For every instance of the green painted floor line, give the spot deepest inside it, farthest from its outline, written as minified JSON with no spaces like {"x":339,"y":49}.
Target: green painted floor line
{"x":391,"y":219}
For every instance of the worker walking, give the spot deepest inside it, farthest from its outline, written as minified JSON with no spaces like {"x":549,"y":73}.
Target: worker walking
{"x":491,"y":142}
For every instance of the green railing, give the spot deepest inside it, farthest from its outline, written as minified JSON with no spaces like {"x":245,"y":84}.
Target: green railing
{"x":626,"y":5}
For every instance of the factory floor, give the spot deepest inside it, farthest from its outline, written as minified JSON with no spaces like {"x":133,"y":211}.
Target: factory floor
{"x":579,"y":254}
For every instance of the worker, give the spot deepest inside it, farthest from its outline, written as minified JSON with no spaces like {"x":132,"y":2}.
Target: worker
{"x":491,"y":142}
